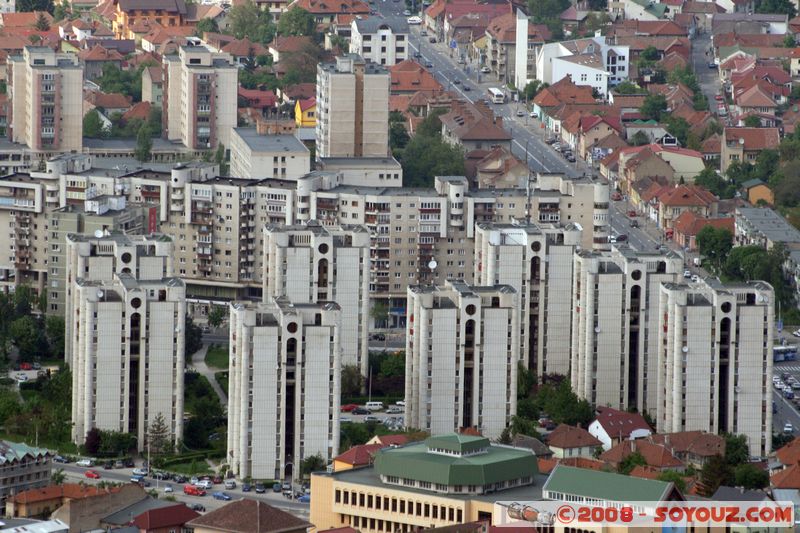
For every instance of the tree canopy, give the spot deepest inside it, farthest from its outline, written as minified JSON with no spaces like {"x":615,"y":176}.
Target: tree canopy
{"x":297,"y":21}
{"x":248,"y":20}
{"x":427,"y":155}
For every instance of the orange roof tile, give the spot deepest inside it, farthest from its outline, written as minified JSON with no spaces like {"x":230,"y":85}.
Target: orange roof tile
{"x":244,"y":47}
{"x":23,"y":19}
{"x":360,"y":455}
{"x":290,"y":43}
{"x":410,"y":77}
{"x":690,"y":223}
{"x":687,"y":195}
{"x":140,"y":110}
{"x":562,"y":92}
{"x":98,"y":53}
{"x":331,"y":7}
{"x":790,"y":453}
{"x":753,"y":138}
{"x":566,"y":436}
{"x":72,"y":491}
{"x":788,"y":478}
{"x":655,"y":455}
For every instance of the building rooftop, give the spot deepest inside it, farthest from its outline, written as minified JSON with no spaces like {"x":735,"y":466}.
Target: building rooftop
{"x":768,"y":223}
{"x":123,"y":516}
{"x":606,"y":486}
{"x":456,"y":460}
{"x":373,"y":24}
{"x":248,"y":516}
{"x":270,"y":143}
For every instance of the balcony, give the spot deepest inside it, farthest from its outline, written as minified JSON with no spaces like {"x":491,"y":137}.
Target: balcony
{"x":198,"y":218}
{"x":177,"y":194}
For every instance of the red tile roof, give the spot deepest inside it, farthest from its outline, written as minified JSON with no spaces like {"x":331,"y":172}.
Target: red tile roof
{"x":244,"y":47}
{"x":393,"y":440}
{"x":140,"y":110}
{"x":331,"y":7}
{"x":300,"y":91}
{"x":655,"y":455}
{"x":468,"y":122}
{"x":108,"y":100}
{"x":755,"y":96}
{"x":98,"y":53}
{"x":308,"y":103}
{"x":693,"y":442}
{"x":753,"y":138}
{"x":23,"y":19}
{"x":359,"y":455}
{"x":248,"y":516}
{"x":620,"y":424}
{"x":409,"y":77}
{"x":690,"y":223}
{"x":562,"y":92}
{"x":686,"y":196}
{"x":257,"y":98}
{"x":163,"y":517}
{"x":788,"y":478}
{"x":290,"y":43}
{"x":789,"y":454}
{"x":71,"y":491}
{"x":565,"y":436}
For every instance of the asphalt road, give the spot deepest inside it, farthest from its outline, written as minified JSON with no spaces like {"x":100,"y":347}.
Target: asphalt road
{"x":787,"y":412}
{"x":75,"y":473}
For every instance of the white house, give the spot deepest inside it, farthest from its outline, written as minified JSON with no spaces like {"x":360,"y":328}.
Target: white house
{"x":383,"y":41}
{"x":612,"y":426}
{"x":588,"y":61}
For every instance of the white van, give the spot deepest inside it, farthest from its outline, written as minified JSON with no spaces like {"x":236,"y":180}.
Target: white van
{"x":374,"y":406}
{"x":230,"y":484}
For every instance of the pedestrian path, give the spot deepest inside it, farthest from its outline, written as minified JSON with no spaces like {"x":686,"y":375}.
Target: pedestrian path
{"x":782,"y":368}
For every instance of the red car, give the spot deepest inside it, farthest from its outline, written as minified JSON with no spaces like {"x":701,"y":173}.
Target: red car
{"x":91,"y":474}
{"x":632,"y":214}
{"x":616,"y":197}
{"x":718,"y":97}
{"x":346,"y":408}
{"x":191,"y":490}
{"x":26,"y":366}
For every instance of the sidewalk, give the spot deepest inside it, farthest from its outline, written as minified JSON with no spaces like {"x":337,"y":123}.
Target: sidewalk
{"x":199,"y":364}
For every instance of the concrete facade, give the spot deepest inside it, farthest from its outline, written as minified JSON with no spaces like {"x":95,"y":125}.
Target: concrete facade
{"x":615,"y":353}
{"x":200,"y":97}
{"x":715,"y":360}
{"x":462,"y":348}
{"x":315,"y":264}
{"x":283,"y":402}
{"x":45,"y":92}
{"x":537,"y":261}
{"x":125,"y":343}
{"x":382,"y":40}
{"x":267,"y":156}
{"x":352,"y":108}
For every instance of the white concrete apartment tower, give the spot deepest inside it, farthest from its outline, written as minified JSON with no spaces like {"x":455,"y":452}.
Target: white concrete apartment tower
{"x":125,"y":327}
{"x":537,"y":261}
{"x":45,"y":94}
{"x":715,"y":367}
{"x":615,"y":325}
{"x":200,"y":98}
{"x":283,"y":398}
{"x":352,"y":108}
{"x":462,"y":349}
{"x":316,"y":264}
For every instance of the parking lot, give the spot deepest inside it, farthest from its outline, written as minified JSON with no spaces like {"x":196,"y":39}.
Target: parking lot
{"x":392,"y":416}
{"x":786,"y":397}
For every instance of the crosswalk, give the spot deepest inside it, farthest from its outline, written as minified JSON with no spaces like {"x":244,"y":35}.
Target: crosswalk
{"x":782,"y":368}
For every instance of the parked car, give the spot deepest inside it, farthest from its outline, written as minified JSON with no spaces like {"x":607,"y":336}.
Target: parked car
{"x":260,"y":488}
{"x":414,"y":20}
{"x":60,"y":459}
{"x":137,"y":479}
{"x":177,"y":478}
{"x":286,"y":486}
{"x":417,"y":55}
{"x":222,"y":496}
{"x":204,"y":484}
{"x":788,"y":428}
{"x":140,"y":471}
{"x":456,"y":82}
{"x":168,"y":489}
{"x":191,"y":490}
{"x":632,"y":213}
{"x":246,"y":487}
{"x":401,"y":403}
{"x":432,"y":40}
{"x":216,"y":480}
{"x":520,"y":113}
{"x":305,"y":498}
{"x":407,"y":13}
{"x":108,"y":465}
{"x":634,"y":223}
{"x":712,"y":65}
{"x":687,"y":274}
{"x":160,"y":475}
{"x":22,"y":378}
{"x":370,"y":418}
{"x":616,"y":197}
{"x":467,"y":88}
{"x":197,"y":507}
{"x":378,"y":337}
{"x":360,"y":411}
{"x":128,"y":462}
{"x":428,"y":64}
{"x":486,"y":70}
{"x":346,"y":408}
{"x":534,"y":114}
{"x":92,"y":474}
{"x":796,"y":333}
{"x":230,"y":484}
{"x":87,"y":463}
{"x":695,"y":278}
{"x":26,"y":366}
{"x":276,"y":487}
{"x":622,"y":238}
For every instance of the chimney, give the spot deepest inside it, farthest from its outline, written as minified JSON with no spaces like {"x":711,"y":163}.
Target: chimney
{"x":498,"y":121}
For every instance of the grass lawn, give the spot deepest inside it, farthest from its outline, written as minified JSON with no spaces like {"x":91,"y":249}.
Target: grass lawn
{"x":222,"y":379}
{"x":217,"y":356}
{"x":191,"y":468}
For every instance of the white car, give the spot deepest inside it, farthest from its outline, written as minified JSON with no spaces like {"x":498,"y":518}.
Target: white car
{"x":695,"y":278}
{"x":687,"y":274}
{"x":796,"y":333}
{"x":140,"y":471}
{"x":414,"y":20}
{"x":402,"y":403}
{"x":788,"y":428}
{"x":534,"y":114}
{"x":204,"y":484}
{"x":485,"y":70}
{"x":22,"y":378}
{"x":85,"y":463}
{"x":168,"y":489}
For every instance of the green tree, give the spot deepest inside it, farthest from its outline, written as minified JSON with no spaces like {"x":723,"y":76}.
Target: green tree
{"x":630,"y":462}
{"x":628,"y":87}
{"x":154,"y":121}
{"x":193,"y":337}
{"x":505,"y":437}
{"x":41,"y":24}
{"x":684,"y":75}
{"x":736,"y":450}
{"x":92,"y":125}
{"x":777,"y":7}
{"x":379,"y":312}
{"x":699,"y":102}
{"x":206,"y":25}
{"x":158,"y":436}
{"x":393,"y":365}
{"x":29,"y":337}
{"x":54,"y":329}
{"x":714,"y":244}
{"x":313,"y":463}
{"x":127,"y":82}
{"x":35,"y":5}
{"x":654,"y":106}
{"x":351,"y":381}
{"x":779,"y":440}
{"x":752,"y":121}
{"x":674,"y":477}
{"x":679,"y":128}
{"x":92,"y":442}
{"x":247,"y":20}
{"x":789,"y":41}
{"x":650,"y":53}
{"x":751,"y":477}
{"x":398,"y":136}
{"x":144,"y":144}
{"x":533,"y":88}
{"x":563,"y":405}
{"x":62,"y":11}
{"x":297,"y":21}
{"x":58,"y":477}
{"x":714,"y":183}
{"x":526,"y":381}
{"x":523,"y":426}
{"x":716,"y":472}
{"x":216,"y":315}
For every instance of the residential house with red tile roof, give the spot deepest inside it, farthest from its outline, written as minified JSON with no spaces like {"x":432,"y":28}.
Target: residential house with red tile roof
{"x":109,"y":103}
{"x":592,"y":128}
{"x":97,"y":57}
{"x":655,"y":455}
{"x":692,"y":447}
{"x":164,"y":519}
{"x":36,"y":502}
{"x":131,"y":17}
{"x":159,"y":36}
{"x":571,"y":441}
{"x":474,"y":126}
{"x":711,"y":147}
{"x":603,"y":147}
{"x":501,"y":36}
{"x":634,"y":166}
{"x":355,"y":457}
{"x":644,"y":194}
{"x":573,"y":18}
{"x":564,"y":91}
{"x":702,"y":13}
{"x":500,"y":169}
{"x":612,"y":426}
{"x":689,"y":223}
{"x":409,"y":77}
{"x":744,"y":144}
{"x":283,"y":44}
{"x":389,"y":440}
{"x":788,"y":478}
{"x":248,"y":516}
{"x":24,"y":19}
{"x":648,"y":28}
{"x":755,"y":100}
{"x":674,"y":201}
{"x":789,"y":454}
{"x":153,"y":85}
{"x":139,"y":111}
{"x":326,"y":11}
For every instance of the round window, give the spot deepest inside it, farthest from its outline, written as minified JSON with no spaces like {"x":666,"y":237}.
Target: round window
{"x":292,"y":327}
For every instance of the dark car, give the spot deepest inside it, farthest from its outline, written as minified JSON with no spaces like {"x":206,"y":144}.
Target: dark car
{"x":197,"y":507}
{"x":177,"y":478}
{"x":712,"y":65}
{"x":246,"y":487}
{"x":378,"y":337}
{"x":160,"y":475}
{"x":108,"y":465}
{"x":260,"y":488}
{"x":428,"y":65}
{"x":128,"y":463}
{"x":60,"y":459}
{"x":466,"y":88}
{"x":276,"y":487}
{"x":216,"y":480}
{"x":417,"y":54}
{"x":634,"y":223}
{"x":432,"y":39}
{"x":360,"y":411}
{"x":622,"y":238}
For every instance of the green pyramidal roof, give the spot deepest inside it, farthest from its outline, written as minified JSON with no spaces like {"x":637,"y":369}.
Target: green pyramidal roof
{"x":455,"y":442}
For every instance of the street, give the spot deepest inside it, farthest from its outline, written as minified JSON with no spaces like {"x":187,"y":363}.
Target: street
{"x":786,"y":411}
{"x":76,"y":474}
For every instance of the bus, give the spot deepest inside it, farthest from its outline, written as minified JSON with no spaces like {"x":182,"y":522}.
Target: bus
{"x":784,"y":353}
{"x":496,"y":96}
